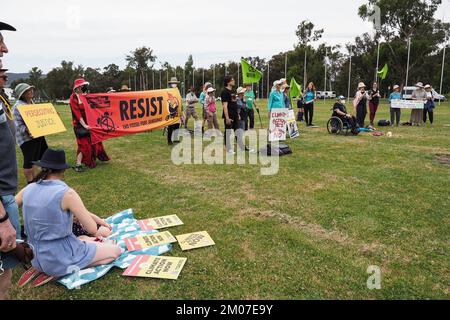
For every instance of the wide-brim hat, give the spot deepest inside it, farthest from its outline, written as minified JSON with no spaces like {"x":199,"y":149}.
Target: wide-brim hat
{"x":21,"y":88}
{"x":210,"y":90}
{"x":174,"y":80}
{"x":241,"y":90}
{"x":427,"y":86}
{"x":79,"y":83}
{"x":5,"y":26}
{"x":361,"y":85}
{"x":419,"y":85}
{"x":124,"y":88}
{"x":396,"y":87}
{"x":54,"y":160}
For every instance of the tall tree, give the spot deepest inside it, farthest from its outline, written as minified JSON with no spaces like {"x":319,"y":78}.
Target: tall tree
{"x":142,"y":60}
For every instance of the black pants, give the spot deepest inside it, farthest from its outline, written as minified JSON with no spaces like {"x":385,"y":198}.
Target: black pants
{"x":361,"y":113}
{"x":170,"y":132}
{"x":251,"y":119}
{"x":309,"y":113}
{"x":395,"y":116}
{"x":430,"y":113}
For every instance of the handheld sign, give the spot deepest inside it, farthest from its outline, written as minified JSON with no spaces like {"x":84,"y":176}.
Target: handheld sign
{"x":160,"y":223}
{"x":278,"y":123}
{"x":155,"y":267}
{"x":41,"y":119}
{"x":195,"y":240}
{"x":150,"y":240}
{"x":407,"y":104}
{"x":292,"y":125}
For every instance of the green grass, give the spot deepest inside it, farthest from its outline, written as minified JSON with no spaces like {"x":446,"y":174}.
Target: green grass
{"x":338,"y":205}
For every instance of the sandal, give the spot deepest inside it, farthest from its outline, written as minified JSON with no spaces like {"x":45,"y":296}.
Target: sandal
{"x":78,"y":168}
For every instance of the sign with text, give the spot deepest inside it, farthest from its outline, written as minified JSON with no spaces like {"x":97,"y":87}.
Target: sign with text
{"x":111,"y":115}
{"x":41,"y":119}
{"x":149,"y":240}
{"x":278,"y":124}
{"x":292,"y":125}
{"x":195,"y":240}
{"x":158,"y":267}
{"x":407,"y":104}
{"x":160,"y":223}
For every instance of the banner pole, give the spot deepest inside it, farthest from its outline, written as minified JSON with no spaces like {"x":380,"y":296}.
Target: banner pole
{"x":349,"y":73}
{"x":443,"y":65}
{"x":407,"y":65}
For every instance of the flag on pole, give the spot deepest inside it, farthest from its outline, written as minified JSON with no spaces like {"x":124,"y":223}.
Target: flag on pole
{"x":383,"y":72}
{"x":296,"y":89}
{"x":249,"y":73}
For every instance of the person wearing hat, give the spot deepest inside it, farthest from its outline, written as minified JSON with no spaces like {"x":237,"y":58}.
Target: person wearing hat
{"x":428,"y":109}
{"x":287,"y":98}
{"x":419,"y":95}
{"x":9,"y":212}
{"x":32,"y":148}
{"x":172,"y":136}
{"x":242,"y":107}
{"x":191,"y":100}
{"x":250,"y":100}
{"x":395,"y":112}
{"x":124,"y":88}
{"x":310,"y":96}
{"x":276,"y":98}
{"x":201,"y":99}
{"x":87,"y":153}
{"x":211,"y":109}
{"x":340,"y":111}
{"x":49,"y":207}
{"x":5,"y":105}
{"x":360,"y":105}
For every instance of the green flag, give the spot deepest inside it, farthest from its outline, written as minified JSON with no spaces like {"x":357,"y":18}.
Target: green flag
{"x":383,"y":72}
{"x":249,"y":73}
{"x":296,"y":89}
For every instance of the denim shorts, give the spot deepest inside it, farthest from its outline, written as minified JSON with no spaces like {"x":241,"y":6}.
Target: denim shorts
{"x":10,"y":205}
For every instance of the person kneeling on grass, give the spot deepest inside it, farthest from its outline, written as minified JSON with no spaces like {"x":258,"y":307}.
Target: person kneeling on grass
{"x":340,"y":111}
{"x":49,"y":207}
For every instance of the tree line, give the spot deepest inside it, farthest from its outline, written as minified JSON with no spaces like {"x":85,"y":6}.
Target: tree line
{"x":401,"y":21}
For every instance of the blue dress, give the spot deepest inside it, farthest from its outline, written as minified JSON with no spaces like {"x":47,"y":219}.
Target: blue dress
{"x":57,"y":250}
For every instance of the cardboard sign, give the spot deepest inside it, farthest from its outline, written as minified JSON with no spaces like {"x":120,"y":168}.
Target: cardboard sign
{"x":277,"y":126}
{"x":150,"y":240}
{"x":407,"y":104}
{"x":195,"y":240}
{"x":41,"y":119}
{"x":160,"y":223}
{"x":158,"y":267}
{"x":292,"y":125}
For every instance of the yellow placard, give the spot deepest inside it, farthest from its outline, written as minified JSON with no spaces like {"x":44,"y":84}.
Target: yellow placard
{"x":195,"y":240}
{"x":160,"y":223}
{"x":150,"y":240}
{"x":41,"y":119}
{"x":158,"y":267}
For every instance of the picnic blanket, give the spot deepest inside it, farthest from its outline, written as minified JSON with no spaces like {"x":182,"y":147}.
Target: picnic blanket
{"x":124,"y":226}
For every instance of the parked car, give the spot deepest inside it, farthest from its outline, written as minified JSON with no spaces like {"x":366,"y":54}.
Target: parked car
{"x":408,"y":91}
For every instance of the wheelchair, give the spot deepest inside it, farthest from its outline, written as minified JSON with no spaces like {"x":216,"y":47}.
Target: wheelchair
{"x":337,"y":126}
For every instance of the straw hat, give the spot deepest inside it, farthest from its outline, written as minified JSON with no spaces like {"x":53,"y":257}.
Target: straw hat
{"x":124,"y":88}
{"x":361,"y":85}
{"x":427,"y":86}
{"x":396,"y":87}
{"x":241,"y":90}
{"x":174,"y":80}
{"x":210,"y":90}
{"x":419,"y":85}
{"x":21,"y":88}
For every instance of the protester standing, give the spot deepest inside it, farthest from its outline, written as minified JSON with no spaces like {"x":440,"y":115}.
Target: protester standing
{"x":374,"y":101}
{"x":172,"y":136}
{"x":201,"y":99}
{"x":429,"y":105}
{"x":287,"y":98}
{"x":9,"y":212}
{"x":242,"y":108}
{"x":308,"y":105}
{"x":211,"y":109}
{"x":395,"y":112}
{"x":360,"y":105}
{"x":191,"y":100}
{"x":32,"y":148}
{"x":418,"y":95}
{"x":250,"y":100}
{"x":87,"y":153}
{"x":230,"y":112}
{"x":276,"y":98}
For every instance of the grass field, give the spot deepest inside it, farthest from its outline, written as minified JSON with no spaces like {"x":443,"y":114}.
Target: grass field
{"x":338,"y":205}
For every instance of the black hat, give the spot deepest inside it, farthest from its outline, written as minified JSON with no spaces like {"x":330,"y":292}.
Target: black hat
{"x":5,"y":26}
{"x":53,"y":159}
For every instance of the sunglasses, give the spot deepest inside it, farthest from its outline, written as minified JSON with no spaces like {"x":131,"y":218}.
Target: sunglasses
{"x":5,"y":78}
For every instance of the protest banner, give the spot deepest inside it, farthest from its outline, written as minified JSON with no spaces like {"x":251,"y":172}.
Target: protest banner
{"x":407,"y":104}
{"x":277,"y":125}
{"x":41,"y":119}
{"x":158,"y":267}
{"x":160,"y":223}
{"x":292,"y":125}
{"x":195,"y":240}
{"x":150,"y":240}
{"x":113,"y":115}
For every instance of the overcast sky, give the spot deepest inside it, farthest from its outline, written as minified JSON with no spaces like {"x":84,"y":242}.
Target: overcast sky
{"x":96,"y":33}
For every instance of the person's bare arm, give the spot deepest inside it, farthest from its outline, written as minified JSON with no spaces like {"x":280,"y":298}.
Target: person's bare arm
{"x":7,"y":233}
{"x":19,"y":198}
{"x":225,"y":110}
{"x":73,"y":203}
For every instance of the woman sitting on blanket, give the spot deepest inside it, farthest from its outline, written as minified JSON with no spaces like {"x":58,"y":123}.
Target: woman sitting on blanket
{"x":49,"y":207}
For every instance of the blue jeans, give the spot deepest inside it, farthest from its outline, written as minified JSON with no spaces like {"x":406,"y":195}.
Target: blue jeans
{"x":10,"y":205}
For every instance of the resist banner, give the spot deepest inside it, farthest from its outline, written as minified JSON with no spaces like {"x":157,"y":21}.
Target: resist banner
{"x":112,"y":115}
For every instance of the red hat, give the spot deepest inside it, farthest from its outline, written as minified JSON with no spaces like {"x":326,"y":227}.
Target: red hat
{"x":79,"y":83}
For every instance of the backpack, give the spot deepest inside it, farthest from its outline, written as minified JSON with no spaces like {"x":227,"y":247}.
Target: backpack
{"x":384,"y":123}
{"x":281,"y":150}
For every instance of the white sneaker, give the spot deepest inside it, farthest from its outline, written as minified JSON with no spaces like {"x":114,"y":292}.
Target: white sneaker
{"x":231,"y":152}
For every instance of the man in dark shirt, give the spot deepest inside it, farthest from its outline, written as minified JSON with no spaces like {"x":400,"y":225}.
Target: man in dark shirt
{"x":340,"y":111}
{"x":230,"y":113}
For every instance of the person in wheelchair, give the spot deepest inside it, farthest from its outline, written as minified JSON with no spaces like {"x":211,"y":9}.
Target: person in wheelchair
{"x":347,"y":121}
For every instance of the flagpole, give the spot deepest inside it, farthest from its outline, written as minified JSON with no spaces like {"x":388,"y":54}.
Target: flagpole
{"x":325,"y":85}
{"x":285,"y":66}
{"x":378,"y":62}
{"x":214,"y":76}
{"x":443,"y":65}
{"x":349,"y":73}
{"x":193,"y":77}
{"x":239,"y":75}
{"x":407,"y":66}
{"x":268,"y":79}
{"x":203,"y":76}
{"x":304,"y":70}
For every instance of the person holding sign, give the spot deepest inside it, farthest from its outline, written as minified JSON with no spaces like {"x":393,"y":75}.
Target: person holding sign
{"x":419,"y":95}
{"x":49,"y":207}
{"x":32,"y":148}
{"x":360,"y":104}
{"x":276,"y":98}
{"x":87,"y":153}
{"x":395,"y":112}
